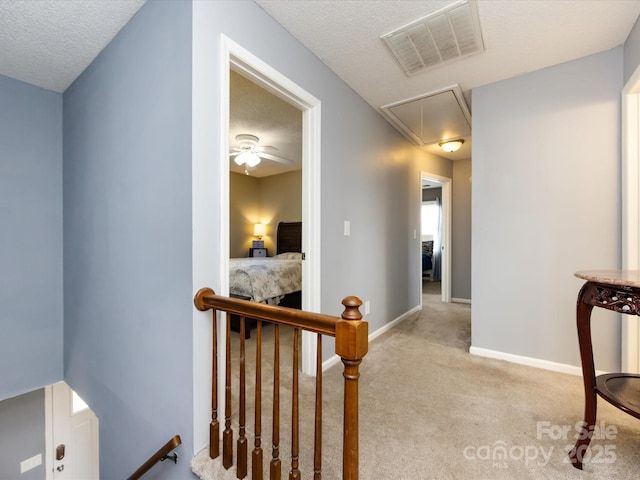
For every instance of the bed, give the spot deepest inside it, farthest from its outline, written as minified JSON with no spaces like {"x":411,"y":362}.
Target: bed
{"x":271,"y":279}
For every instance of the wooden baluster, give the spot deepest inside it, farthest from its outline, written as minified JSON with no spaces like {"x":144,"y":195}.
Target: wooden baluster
{"x":351,"y":345}
{"x":214,"y":426}
{"x":227,"y":435}
{"x":275,"y":465}
{"x":317,"y":444}
{"x":256,"y":458}
{"x":241,"y":467}
{"x":294,"y":474}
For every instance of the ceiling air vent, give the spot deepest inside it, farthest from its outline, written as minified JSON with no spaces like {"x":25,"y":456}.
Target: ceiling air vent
{"x":446,"y":35}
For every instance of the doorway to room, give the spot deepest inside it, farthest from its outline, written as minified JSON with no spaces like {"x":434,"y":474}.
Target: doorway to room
{"x":71,"y":435}
{"x":435,"y":237}
{"x":254,"y":69}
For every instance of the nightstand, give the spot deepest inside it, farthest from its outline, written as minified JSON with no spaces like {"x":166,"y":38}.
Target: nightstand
{"x":258,"y":252}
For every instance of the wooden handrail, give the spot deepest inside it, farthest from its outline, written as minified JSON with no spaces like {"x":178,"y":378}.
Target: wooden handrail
{"x":351,"y":344}
{"x":206,"y":299}
{"x":160,"y":455}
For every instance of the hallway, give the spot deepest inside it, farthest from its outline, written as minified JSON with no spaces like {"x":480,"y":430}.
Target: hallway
{"x":430,"y":410}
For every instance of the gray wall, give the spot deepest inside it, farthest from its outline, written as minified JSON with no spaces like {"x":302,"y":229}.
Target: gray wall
{"x":546,"y":203}
{"x":461,"y":230}
{"x":22,"y":435}
{"x":370,"y":174}
{"x":127,"y":240}
{"x":30,"y":237}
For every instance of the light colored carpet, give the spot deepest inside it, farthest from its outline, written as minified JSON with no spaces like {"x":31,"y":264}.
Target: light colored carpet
{"x":430,"y":410}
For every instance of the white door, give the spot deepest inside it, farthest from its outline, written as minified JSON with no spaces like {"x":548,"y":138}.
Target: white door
{"x":73,"y":449}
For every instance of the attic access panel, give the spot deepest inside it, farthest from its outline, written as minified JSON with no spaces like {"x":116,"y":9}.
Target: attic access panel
{"x":432,"y":117}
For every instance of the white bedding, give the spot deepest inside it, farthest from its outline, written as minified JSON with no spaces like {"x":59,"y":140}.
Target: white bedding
{"x":266,"y":280}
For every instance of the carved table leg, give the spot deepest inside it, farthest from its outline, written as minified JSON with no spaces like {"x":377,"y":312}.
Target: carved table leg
{"x":576,"y":455}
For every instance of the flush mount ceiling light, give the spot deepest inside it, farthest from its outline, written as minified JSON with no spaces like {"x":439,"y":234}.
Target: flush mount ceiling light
{"x":446,"y":35}
{"x":451,"y":145}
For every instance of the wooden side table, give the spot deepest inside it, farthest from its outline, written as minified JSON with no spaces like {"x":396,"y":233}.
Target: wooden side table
{"x":617,"y":290}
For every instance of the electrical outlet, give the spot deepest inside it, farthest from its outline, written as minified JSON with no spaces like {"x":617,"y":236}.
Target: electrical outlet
{"x":347,"y":228}
{"x":367,"y":307}
{"x":30,"y":463}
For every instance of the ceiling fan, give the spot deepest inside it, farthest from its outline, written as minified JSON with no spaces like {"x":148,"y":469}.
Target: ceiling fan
{"x":249,"y":154}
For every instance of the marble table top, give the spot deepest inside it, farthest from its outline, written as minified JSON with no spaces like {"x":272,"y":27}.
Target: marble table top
{"x":627,"y":278}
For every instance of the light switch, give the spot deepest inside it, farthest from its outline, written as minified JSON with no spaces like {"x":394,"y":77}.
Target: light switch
{"x":347,"y":228}
{"x":30,"y":463}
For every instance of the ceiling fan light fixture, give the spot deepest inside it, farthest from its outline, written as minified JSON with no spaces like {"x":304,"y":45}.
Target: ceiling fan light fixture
{"x":451,"y":146}
{"x":248,"y":158}
{"x":252,"y":160}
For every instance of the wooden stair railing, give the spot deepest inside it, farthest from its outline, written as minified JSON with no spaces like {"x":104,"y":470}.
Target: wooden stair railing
{"x":351,"y":344}
{"x":161,"y":455}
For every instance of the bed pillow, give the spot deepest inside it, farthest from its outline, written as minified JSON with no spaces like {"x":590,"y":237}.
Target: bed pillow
{"x":289,"y":256}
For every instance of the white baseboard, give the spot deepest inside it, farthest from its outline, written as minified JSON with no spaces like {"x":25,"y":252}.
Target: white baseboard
{"x":461,"y":300}
{"x":330,"y":362}
{"x":528,"y":361}
{"x":388,"y":326}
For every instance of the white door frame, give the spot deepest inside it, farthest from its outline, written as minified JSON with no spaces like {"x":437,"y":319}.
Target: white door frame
{"x":445,"y":249}
{"x":630,"y":171}
{"x":273,"y":81}
{"x":210,"y":180}
{"x":50,"y":434}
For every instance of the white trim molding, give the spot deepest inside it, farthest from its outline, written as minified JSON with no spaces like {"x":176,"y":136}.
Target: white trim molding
{"x":236,"y":57}
{"x":48,"y":432}
{"x":466,"y":301}
{"x":630,"y":174}
{"x":446,"y":235}
{"x":528,"y":361}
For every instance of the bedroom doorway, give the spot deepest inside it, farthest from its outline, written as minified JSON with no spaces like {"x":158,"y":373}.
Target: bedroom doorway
{"x":270,"y":191}
{"x":237,"y":59}
{"x":435,"y":241}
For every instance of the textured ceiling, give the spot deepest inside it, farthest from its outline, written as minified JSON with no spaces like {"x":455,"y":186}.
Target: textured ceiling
{"x":519,"y":36}
{"x":254,"y":111}
{"x":48,"y":43}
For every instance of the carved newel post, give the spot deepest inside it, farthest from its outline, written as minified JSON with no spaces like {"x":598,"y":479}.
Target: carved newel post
{"x":352,"y":337}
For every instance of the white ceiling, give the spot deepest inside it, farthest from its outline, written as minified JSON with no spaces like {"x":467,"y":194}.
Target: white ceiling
{"x":255,"y":111}
{"x":519,"y":36}
{"x":49,"y":43}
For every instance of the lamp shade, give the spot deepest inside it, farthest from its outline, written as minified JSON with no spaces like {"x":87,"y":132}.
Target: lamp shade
{"x":259,"y":230}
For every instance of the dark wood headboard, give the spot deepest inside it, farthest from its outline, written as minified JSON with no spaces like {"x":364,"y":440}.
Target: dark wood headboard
{"x":289,"y":237}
